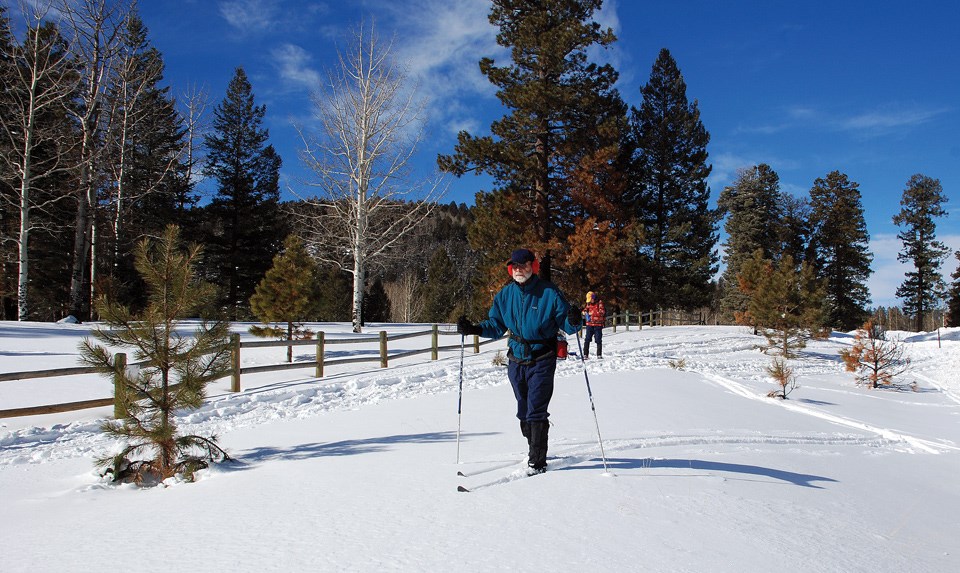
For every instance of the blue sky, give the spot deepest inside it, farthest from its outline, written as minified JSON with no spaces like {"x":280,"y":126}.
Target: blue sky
{"x":807,"y":86}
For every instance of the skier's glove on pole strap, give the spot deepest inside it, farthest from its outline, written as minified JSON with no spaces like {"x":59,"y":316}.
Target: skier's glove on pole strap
{"x":465,"y":327}
{"x":573,"y":317}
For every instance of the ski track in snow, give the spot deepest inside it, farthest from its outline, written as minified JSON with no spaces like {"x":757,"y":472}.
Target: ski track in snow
{"x":742,"y":362}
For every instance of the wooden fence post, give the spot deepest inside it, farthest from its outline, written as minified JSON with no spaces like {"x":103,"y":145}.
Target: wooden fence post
{"x":319,"y":371}
{"x":476,"y":344}
{"x":119,"y":388}
{"x":435,"y":354}
{"x":235,"y":360}
{"x":627,"y":320}
{"x":383,"y":349}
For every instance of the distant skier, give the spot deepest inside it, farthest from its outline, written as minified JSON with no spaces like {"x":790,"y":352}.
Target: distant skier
{"x":534,"y":311}
{"x":594,"y":316}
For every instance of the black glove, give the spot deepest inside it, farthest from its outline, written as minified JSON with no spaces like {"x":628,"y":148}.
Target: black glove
{"x":465,"y":327}
{"x":574,"y":316}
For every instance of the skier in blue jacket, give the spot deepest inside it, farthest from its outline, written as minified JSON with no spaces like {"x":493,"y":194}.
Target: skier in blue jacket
{"x":534,"y":311}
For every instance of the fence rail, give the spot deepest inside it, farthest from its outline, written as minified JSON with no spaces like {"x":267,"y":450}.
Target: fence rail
{"x":235,"y":373}
{"x":625,"y":319}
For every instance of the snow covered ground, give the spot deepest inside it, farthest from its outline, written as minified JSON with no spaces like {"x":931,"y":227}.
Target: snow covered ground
{"x":357,"y":471}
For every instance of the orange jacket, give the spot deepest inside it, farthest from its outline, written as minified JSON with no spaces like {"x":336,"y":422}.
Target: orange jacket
{"x":594,"y":314}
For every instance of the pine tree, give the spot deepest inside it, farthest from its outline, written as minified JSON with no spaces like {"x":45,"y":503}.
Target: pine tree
{"x":289,"y":293}
{"x":923,"y":287}
{"x":672,"y":195}
{"x":953,"y":298}
{"x":875,"y":359}
{"x":177,"y":366}
{"x":243,"y":219}
{"x":376,"y":304}
{"x":841,"y":242}
{"x":753,"y":208}
{"x":441,"y":300}
{"x":336,"y":302}
{"x":556,"y":101}
{"x":601,"y":248}
{"x":785,"y":302}
{"x":795,"y":229}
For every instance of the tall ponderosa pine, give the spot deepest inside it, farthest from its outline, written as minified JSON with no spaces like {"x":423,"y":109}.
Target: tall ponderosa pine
{"x":243,"y":219}
{"x":953,"y":296}
{"x":753,"y":207}
{"x":601,"y":249}
{"x":923,"y":288}
{"x":289,"y":294}
{"x":795,"y":230}
{"x":177,"y":365}
{"x":678,"y":259}
{"x":556,"y":99}
{"x":841,"y":242}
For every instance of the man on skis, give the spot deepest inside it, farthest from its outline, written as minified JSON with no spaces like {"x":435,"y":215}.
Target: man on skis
{"x":534,"y":311}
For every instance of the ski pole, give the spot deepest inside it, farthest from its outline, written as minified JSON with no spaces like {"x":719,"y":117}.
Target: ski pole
{"x":460,"y":399}
{"x":592,"y":407}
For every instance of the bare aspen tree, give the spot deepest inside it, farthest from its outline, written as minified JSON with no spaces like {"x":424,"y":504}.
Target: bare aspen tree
{"x":134,"y":111}
{"x":405,"y":304}
{"x":193,"y":105}
{"x":370,"y":123}
{"x":97,"y":27}
{"x":41,"y":82}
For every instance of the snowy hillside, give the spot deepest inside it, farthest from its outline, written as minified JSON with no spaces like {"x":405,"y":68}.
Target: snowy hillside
{"x":358,"y":471}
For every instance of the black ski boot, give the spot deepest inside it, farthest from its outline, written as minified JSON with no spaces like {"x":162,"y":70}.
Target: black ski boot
{"x":538,"y":447}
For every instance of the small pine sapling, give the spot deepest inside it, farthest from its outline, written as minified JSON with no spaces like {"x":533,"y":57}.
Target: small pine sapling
{"x":782,"y":375}
{"x":174,"y":367}
{"x":875,"y":359}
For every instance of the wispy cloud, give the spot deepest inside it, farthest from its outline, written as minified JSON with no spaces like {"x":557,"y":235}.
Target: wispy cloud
{"x":887,"y":118}
{"x":881,"y":120}
{"x":441,"y":42}
{"x":250,"y":15}
{"x":294,"y":65}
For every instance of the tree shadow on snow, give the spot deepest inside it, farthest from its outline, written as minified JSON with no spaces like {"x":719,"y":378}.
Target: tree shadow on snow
{"x":249,"y":458}
{"x":623,"y":464}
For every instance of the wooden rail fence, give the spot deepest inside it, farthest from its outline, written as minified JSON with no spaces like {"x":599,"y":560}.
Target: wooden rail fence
{"x":321,"y":342}
{"x":236,"y":346}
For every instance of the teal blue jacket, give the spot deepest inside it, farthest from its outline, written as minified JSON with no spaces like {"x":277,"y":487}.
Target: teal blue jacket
{"x":534,"y":312}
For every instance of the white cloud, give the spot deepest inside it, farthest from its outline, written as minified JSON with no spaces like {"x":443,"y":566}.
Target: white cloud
{"x":293,"y":65}
{"x":889,"y":119}
{"x":441,"y":43}
{"x":249,"y":15}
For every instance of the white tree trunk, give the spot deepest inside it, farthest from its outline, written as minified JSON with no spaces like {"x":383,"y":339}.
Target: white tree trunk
{"x":371,"y":125}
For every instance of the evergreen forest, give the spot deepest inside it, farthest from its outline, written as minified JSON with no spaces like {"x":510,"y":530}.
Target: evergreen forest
{"x":99,"y":152}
